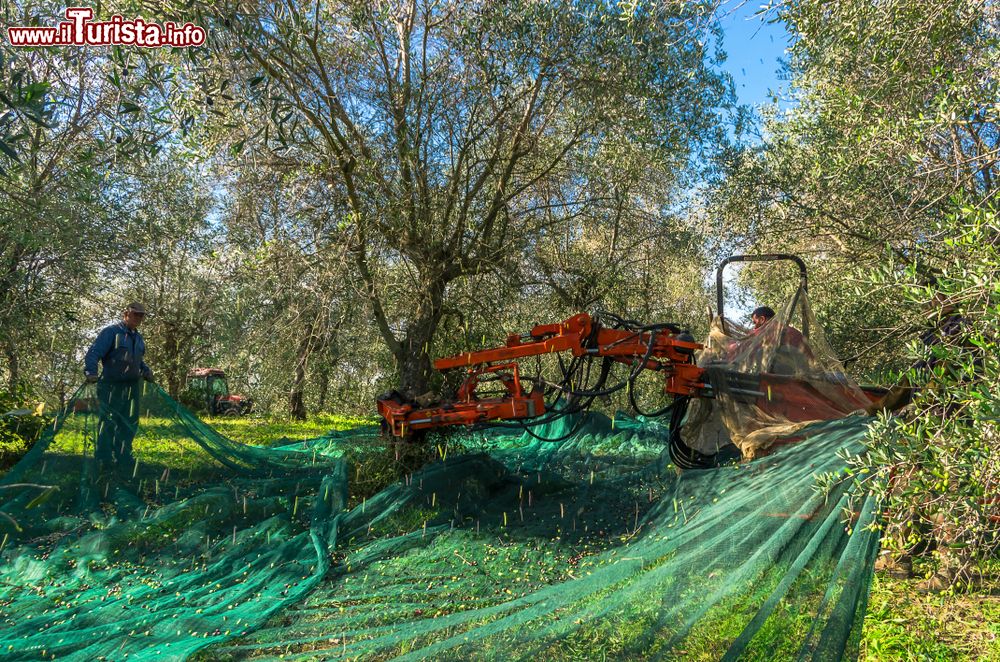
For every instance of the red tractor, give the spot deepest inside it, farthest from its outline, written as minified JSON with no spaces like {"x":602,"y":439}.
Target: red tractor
{"x":207,"y":390}
{"x":774,"y":376}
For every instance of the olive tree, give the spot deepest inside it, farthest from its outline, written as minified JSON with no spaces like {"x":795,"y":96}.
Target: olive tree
{"x":451,"y":135}
{"x":69,"y":117}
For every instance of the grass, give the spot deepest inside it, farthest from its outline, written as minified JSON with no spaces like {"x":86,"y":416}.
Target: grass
{"x":12,"y":447}
{"x":904,"y":623}
{"x":161,"y":442}
{"x":17,"y":434}
{"x":901,"y":623}
{"x":261,"y":430}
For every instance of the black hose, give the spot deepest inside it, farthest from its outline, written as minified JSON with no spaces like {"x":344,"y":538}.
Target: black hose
{"x":598,"y":389}
{"x":549,"y":417}
{"x":576,"y":428}
{"x":681,"y":454}
{"x":639,"y":411}
{"x":579,"y":399}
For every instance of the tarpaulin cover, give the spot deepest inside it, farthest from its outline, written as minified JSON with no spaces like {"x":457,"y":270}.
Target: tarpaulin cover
{"x":768,"y":383}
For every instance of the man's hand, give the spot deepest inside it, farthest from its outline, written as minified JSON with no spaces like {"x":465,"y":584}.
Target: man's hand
{"x":148,"y":374}
{"x":91,"y":379}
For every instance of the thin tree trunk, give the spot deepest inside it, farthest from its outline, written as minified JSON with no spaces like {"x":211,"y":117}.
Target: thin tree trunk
{"x":171,"y":351}
{"x":296,"y":398}
{"x":324,"y":387}
{"x":13,"y":366}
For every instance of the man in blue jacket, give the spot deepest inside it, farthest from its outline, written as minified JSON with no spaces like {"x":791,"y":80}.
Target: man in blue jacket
{"x":120,"y":350}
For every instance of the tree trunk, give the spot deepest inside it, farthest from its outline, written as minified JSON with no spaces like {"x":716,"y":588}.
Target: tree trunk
{"x":296,"y":398}
{"x":13,"y":366}
{"x":412,"y":354}
{"x":171,"y":360}
{"x":414,"y":367}
{"x":414,"y":360}
{"x":324,"y":387}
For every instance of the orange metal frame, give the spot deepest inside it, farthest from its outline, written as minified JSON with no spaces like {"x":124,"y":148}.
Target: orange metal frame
{"x":784,"y":396}
{"x":672,"y":357}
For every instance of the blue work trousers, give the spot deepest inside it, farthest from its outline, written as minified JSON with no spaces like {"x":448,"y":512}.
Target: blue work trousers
{"x":119,"y":420}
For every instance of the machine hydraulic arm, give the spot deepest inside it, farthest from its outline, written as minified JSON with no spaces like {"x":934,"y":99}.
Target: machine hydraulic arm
{"x":662,"y":348}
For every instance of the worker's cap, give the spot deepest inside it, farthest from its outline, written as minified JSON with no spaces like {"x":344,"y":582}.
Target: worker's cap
{"x":136,"y":307}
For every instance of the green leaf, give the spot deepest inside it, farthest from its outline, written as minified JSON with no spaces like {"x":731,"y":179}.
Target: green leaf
{"x":35,"y":90}
{"x":42,"y":498}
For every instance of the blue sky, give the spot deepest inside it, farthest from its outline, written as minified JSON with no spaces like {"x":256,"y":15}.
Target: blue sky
{"x":755,"y":49}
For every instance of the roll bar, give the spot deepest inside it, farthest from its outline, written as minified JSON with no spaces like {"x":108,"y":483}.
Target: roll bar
{"x":767,"y":257}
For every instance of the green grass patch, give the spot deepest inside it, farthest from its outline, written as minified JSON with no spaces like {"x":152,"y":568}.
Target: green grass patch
{"x":905,"y":623}
{"x":274,"y":430}
{"x":12,"y":448}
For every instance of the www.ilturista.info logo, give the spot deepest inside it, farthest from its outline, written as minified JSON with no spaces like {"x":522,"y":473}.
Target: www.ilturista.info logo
{"x":79,"y":30}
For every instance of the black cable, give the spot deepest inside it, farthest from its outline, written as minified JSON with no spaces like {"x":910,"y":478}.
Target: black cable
{"x":639,"y":411}
{"x":542,"y":419}
{"x":638,"y":367}
{"x":550,"y":417}
{"x":598,"y":389}
{"x":576,"y":428}
{"x":580,"y":399}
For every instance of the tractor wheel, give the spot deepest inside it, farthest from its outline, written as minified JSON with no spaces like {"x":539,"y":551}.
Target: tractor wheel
{"x":232,"y":412}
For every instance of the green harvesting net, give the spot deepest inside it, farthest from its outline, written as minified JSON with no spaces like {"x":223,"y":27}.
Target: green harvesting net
{"x":188,"y":544}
